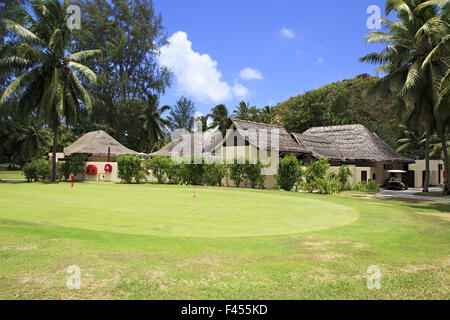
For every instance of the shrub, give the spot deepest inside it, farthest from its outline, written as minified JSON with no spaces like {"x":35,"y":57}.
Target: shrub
{"x":289,"y":172}
{"x":63,"y":169}
{"x":38,"y":169}
{"x":192,"y":173}
{"x":158,"y":165}
{"x":253,"y":174}
{"x":315,"y":179}
{"x":77,"y":164}
{"x":129,"y":167}
{"x":367,"y":187}
{"x":214,"y":173}
{"x":236,"y":171}
{"x":342,"y":177}
{"x":29,"y":170}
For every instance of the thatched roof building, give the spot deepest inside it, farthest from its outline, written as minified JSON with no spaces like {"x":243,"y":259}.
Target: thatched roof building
{"x":97,"y":144}
{"x":348,"y":144}
{"x":262,"y":138}
{"x":186,"y":145}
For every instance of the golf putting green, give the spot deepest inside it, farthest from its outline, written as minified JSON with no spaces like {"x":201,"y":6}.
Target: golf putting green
{"x":170,"y":210}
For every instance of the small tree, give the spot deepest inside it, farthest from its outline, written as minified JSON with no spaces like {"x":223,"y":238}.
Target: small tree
{"x":342,"y":177}
{"x":158,"y":167}
{"x":315,"y":178}
{"x":129,"y":166}
{"x":192,"y":173}
{"x":290,"y":172}
{"x":236,"y":172}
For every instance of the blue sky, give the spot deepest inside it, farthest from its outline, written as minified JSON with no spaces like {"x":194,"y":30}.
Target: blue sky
{"x":263,"y":52}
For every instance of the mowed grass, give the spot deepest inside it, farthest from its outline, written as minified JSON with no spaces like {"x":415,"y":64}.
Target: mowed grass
{"x":158,"y":242}
{"x":11,"y":175}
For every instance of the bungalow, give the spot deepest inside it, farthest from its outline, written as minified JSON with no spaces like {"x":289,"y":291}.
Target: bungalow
{"x":366,"y":155}
{"x":101,"y":151}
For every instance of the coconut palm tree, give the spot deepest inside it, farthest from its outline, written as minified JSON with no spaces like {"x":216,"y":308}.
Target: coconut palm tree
{"x":219,"y":115}
{"x":154,"y":124}
{"x":48,"y":79}
{"x":204,"y":122}
{"x":412,"y":141}
{"x":414,"y":59}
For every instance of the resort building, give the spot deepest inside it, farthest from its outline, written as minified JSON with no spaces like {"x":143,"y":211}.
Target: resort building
{"x":101,"y":151}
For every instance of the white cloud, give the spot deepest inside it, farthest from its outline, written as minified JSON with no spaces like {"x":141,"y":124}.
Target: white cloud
{"x":240,"y":91}
{"x":196,"y":74}
{"x":320,"y":60}
{"x":287,"y":33}
{"x":250,"y":74}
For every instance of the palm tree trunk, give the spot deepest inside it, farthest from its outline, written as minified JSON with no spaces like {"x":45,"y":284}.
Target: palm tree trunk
{"x":55,"y":142}
{"x":426,"y":183}
{"x":446,"y":164}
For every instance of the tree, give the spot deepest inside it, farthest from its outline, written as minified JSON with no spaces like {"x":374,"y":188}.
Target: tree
{"x":204,"y":122}
{"x":154,"y":125}
{"x":242,"y":111}
{"x":219,"y":115}
{"x":181,"y":116}
{"x":130,"y":34}
{"x":415,"y":59}
{"x":412,"y":142}
{"x":49,"y":82}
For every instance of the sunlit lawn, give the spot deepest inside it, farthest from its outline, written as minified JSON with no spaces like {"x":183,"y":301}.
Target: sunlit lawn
{"x":158,"y":242}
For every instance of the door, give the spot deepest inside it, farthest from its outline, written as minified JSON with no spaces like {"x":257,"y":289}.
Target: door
{"x":410,"y":179}
{"x":364,"y":176}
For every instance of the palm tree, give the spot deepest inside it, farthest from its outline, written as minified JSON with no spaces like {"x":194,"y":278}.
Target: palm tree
{"x":154,"y":125}
{"x":204,"y":121}
{"x":219,"y":115}
{"x":410,"y":43}
{"x":412,"y":141}
{"x":48,"y":81}
{"x":242,"y":111}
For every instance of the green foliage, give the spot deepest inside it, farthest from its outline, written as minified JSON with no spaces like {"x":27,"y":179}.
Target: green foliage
{"x":342,"y":177}
{"x":38,"y":169}
{"x":367,"y":187}
{"x":77,"y":163}
{"x":290,"y":172}
{"x":181,"y":116}
{"x":253,"y":174}
{"x":164,"y":170}
{"x":315,"y":176}
{"x":192,"y":171}
{"x":129,"y":167}
{"x":214,"y":173}
{"x":236,"y":171}
{"x":340,"y":103}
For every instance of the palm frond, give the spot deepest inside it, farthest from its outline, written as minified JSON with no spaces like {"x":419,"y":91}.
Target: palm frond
{"x":83,"y":70}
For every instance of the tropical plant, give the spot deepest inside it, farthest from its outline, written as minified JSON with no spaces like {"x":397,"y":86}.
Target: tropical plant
{"x":154,"y":125}
{"x":204,"y":121}
{"x":412,"y":141}
{"x":416,"y":61}
{"x":219,"y":115}
{"x":214,"y":173}
{"x":49,"y":80}
{"x":181,"y":115}
{"x":290,"y":172}
{"x":129,"y":167}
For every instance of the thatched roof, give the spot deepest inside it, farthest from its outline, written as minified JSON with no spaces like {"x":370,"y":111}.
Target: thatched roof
{"x":242,"y":128}
{"x":348,"y":143}
{"x":96,"y":143}
{"x":179,"y":146}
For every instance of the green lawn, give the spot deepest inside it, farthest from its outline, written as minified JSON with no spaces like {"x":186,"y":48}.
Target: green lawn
{"x":157,"y":242}
{"x":11,"y":175}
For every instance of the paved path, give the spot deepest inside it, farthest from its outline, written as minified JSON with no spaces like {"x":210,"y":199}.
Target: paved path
{"x":409,"y":194}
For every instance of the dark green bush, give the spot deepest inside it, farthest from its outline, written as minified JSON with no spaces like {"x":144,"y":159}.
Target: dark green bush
{"x":253,"y":174}
{"x":290,"y":172}
{"x":236,"y":171}
{"x":214,"y":173}
{"x":192,"y":171}
{"x":39,"y":169}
